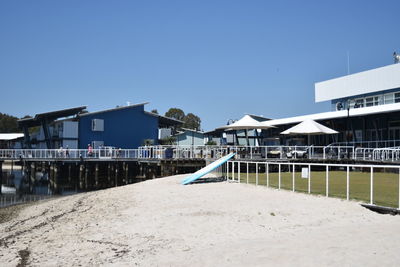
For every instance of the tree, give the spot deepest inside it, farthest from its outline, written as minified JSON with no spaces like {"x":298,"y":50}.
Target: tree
{"x":155,"y":111}
{"x":192,"y":121}
{"x":175,"y":113}
{"x":8,"y":124}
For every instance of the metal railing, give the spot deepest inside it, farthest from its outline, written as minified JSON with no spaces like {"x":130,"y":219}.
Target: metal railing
{"x":210,"y":152}
{"x":373,"y":184}
{"x":370,"y":144}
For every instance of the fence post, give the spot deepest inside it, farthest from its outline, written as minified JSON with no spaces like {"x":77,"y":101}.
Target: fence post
{"x":399,"y":189}
{"x":233,"y":171}
{"x":293,"y":178}
{"x":347,"y":183}
{"x":227,"y":170}
{"x":256,"y":173}
{"x":327,"y":181}
{"x":247,"y":172}
{"x":372,"y":186}
{"x":267,"y":175}
{"x":279,"y":176}
{"x":309,"y":179}
{"x":239,"y":172}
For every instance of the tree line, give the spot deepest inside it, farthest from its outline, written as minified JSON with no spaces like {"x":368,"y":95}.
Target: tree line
{"x":190,"y":120}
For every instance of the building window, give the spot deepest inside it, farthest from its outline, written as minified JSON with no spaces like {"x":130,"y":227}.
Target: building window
{"x":396,"y":97}
{"x":389,"y":98}
{"x":359,"y":103}
{"x":372,"y":101}
{"x":98,"y":125}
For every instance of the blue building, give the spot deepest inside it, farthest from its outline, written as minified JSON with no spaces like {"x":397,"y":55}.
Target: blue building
{"x":122,"y":127}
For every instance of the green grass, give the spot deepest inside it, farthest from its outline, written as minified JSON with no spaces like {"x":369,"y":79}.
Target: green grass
{"x":386,"y":184}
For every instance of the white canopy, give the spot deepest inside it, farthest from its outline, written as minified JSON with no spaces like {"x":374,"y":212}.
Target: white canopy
{"x":309,"y":127}
{"x":246,"y":123}
{"x":10,"y":136}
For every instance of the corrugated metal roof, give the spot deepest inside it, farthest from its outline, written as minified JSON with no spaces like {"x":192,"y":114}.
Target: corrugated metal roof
{"x":355,"y":112}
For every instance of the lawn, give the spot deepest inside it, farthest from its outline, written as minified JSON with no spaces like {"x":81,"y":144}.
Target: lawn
{"x":386,"y":183}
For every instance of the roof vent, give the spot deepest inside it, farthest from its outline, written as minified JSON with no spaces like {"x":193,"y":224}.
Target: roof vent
{"x":396,"y":57}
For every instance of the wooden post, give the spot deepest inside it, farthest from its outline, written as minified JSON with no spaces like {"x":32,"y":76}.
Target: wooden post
{"x":87,"y":167}
{"x":1,"y":175}
{"x":116,"y":174}
{"x":55,"y":177}
{"x":81,"y":171}
{"x":96,"y":176}
{"x":126,"y":173}
{"x":69,"y":174}
{"x":109,"y":174}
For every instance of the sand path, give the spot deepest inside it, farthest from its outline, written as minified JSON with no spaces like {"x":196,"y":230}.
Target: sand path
{"x":162,"y":223}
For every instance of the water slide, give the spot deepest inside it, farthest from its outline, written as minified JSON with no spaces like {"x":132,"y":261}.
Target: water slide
{"x":209,"y":168}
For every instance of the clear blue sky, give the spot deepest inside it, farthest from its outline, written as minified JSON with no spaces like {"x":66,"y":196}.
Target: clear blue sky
{"x":217,"y":59}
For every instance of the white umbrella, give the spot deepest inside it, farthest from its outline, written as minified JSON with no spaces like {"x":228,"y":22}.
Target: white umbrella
{"x":246,"y":123}
{"x":309,"y":127}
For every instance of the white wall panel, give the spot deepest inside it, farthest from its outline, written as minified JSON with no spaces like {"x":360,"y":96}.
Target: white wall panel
{"x":370,"y":81}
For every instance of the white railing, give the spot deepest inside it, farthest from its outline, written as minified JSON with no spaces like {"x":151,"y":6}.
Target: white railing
{"x":210,"y":152}
{"x":374,"y":184}
{"x":370,"y":144}
{"x":386,"y":154}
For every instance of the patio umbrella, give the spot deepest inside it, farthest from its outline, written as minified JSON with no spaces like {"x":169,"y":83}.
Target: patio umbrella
{"x":309,"y":127}
{"x":246,"y":123}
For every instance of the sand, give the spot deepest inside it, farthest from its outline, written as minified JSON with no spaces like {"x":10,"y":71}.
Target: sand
{"x":162,"y":223}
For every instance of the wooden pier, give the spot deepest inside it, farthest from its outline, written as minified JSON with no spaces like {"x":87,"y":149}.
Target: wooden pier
{"x":92,"y":173}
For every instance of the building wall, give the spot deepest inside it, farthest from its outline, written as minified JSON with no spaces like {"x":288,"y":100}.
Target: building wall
{"x":123,"y":128}
{"x":190,"y":138}
{"x":370,"y":81}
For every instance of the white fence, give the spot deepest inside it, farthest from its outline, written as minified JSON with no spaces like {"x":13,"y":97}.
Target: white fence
{"x":373,"y":184}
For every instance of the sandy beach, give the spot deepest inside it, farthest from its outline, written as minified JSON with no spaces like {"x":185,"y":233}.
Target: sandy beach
{"x":162,"y":223}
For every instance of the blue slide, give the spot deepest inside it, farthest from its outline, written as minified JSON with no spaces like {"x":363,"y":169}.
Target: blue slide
{"x":200,"y":173}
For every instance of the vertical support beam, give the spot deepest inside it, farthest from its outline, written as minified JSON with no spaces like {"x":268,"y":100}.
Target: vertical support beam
{"x":47,"y":135}
{"x":267,"y":170}
{"x":56,"y":171}
{"x":87,"y":167}
{"x":1,"y":175}
{"x":347,"y":183}
{"x":96,"y":175}
{"x":108,"y":174}
{"x":116,"y":174}
{"x":371,"y":191}
{"x":126,"y":173}
{"x":81,"y":175}
{"x":69,"y":174}
{"x":32,"y":176}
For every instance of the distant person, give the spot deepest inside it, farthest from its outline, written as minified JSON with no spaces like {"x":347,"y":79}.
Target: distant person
{"x":67,"y":151}
{"x":61,"y":152}
{"x":90,"y":150}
